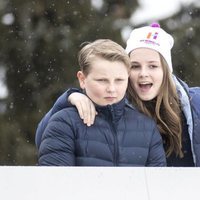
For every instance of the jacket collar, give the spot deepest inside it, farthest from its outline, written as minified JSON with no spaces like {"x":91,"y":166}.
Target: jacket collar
{"x":183,"y":93}
{"x":114,"y":111}
{"x":182,"y":90}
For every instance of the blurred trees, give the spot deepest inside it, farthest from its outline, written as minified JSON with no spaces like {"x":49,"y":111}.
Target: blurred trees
{"x":39,"y":44}
{"x":185,"y":27}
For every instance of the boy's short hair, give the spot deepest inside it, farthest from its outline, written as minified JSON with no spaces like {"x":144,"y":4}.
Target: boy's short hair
{"x":102,"y":48}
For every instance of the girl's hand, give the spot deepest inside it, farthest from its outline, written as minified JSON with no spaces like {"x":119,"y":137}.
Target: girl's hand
{"x":85,"y":107}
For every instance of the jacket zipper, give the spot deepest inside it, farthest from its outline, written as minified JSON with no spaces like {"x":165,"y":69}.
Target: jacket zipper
{"x":116,"y":145}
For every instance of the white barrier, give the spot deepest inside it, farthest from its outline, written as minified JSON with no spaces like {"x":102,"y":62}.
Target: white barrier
{"x":99,"y":183}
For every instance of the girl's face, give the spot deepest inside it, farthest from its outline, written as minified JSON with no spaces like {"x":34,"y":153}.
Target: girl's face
{"x":146,"y":74}
{"x":106,"y":82}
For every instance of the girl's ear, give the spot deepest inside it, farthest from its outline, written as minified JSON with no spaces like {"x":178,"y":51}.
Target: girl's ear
{"x":81,"y":78}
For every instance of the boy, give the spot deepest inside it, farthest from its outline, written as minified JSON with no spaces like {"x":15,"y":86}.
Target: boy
{"x":120,"y":135}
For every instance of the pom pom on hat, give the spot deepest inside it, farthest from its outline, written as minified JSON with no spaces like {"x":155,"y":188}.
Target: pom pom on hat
{"x":152,"y":37}
{"x":155,"y":25}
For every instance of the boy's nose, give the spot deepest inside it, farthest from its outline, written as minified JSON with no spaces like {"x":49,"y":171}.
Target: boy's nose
{"x":111,"y":88}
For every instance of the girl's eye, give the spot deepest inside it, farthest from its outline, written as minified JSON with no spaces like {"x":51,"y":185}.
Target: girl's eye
{"x":134,"y":66}
{"x":153,"y":66}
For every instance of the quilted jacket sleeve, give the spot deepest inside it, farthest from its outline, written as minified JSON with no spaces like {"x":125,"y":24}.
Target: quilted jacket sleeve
{"x":58,"y":105}
{"x":57,"y":145}
{"x":157,"y":155}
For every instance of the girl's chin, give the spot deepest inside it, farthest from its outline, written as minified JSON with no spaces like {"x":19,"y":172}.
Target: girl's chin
{"x":146,"y":98}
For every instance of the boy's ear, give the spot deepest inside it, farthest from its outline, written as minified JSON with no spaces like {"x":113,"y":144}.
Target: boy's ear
{"x":81,"y":78}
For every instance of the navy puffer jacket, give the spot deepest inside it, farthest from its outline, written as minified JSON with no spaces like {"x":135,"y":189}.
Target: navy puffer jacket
{"x":190,"y":104}
{"x":120,"y":136}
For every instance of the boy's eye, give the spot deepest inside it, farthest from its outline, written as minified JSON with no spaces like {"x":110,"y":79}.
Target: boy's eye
{"x":101,"y":80}
{"x":119,"y":79}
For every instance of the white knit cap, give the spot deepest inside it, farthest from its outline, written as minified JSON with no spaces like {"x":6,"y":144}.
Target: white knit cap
{"x":152,"y":37}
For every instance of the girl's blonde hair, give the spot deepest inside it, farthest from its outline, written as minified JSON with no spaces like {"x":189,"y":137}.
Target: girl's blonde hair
{"x":165,"y":110}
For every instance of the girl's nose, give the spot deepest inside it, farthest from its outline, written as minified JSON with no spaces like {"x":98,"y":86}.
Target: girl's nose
{"x":143,"y":72}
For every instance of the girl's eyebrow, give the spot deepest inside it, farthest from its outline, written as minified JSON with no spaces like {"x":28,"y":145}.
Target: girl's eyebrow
{"x":153,"y":61}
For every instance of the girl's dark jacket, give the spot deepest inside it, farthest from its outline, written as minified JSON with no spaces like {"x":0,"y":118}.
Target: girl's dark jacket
{"x":120,"y":136}
{"x":190,"y":105}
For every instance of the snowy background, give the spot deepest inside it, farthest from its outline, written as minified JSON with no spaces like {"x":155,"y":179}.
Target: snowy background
{"x":148,"y":11}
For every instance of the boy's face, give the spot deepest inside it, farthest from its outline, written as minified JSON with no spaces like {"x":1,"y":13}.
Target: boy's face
{"x":106,"y":82}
